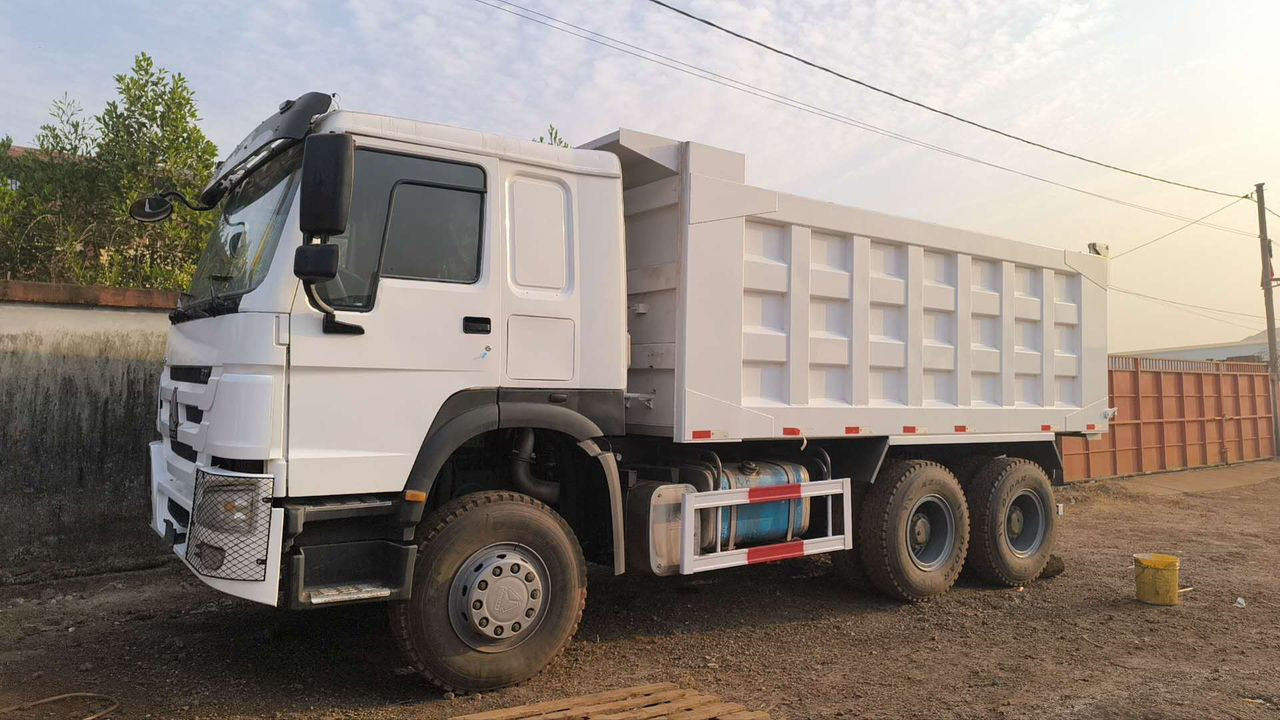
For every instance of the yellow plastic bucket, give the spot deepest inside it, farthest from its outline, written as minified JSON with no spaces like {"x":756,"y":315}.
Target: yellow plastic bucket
{"x":1157,"y":578}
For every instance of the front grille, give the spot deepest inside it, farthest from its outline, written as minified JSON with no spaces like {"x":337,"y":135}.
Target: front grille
{"x":183,"y":450}
{"x":249,"y":467}
{"x":198,"y":374}
{"x":179,"y":513}
{"x":231,"y":526}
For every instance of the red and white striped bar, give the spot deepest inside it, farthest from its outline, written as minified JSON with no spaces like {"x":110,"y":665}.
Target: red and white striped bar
{"x":694,"y":561}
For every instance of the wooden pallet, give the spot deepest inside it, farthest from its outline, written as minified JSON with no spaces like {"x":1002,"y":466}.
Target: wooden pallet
{"x":662,"y":701}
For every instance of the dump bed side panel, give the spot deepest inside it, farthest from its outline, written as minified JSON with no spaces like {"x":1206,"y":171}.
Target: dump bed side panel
{"x":756,"y":314}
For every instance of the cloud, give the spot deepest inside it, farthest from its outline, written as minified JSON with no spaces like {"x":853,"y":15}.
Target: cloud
{"x":1105,"y":78}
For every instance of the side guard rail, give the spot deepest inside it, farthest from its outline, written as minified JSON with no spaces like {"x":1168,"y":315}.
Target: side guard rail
{"x":839,"y":528}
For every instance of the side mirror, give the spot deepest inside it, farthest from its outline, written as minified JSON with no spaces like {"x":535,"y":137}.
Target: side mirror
{"x":233,"y":245}
{"x":152,"y":209}
{"x":328,"y":165}
{"x":316,"y":263}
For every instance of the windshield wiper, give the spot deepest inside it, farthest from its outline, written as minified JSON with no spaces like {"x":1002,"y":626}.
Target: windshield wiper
{"x":213,"y":290}
{"x":215,"y":305}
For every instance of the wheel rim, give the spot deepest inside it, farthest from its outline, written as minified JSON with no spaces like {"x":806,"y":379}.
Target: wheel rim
{"x":931,"y":531}
{"x":498,"y":597}
{"x":1024,"y":523}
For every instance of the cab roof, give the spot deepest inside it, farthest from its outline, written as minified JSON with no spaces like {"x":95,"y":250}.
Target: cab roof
{"x":583,"y":161}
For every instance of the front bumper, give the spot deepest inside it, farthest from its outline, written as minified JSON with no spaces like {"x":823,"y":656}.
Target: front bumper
{"x":222,"y":526}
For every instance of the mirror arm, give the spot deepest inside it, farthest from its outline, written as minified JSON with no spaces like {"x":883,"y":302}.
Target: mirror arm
{"x":175,"y":195}
{"x":330,"y":324}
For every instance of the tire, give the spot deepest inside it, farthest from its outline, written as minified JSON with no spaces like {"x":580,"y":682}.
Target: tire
{"x":1010,"y":500}
{"x":470,"y":548}
{"x":847,"y":564}
{"x":966,"y":467}
{"x":903,"y":493}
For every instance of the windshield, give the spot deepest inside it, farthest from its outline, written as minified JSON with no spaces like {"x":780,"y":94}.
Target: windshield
{"x":241,"y":246}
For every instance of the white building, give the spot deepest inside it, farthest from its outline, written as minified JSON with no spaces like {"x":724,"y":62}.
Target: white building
{"x":1251,"y":349}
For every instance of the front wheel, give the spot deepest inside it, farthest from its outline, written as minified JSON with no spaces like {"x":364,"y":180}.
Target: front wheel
{"x":498,"y":592}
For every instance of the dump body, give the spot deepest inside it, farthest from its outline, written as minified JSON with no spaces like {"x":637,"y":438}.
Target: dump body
{"x":757,"y":314}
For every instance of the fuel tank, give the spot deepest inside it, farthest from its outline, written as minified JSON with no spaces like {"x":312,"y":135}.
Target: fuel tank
{"x":765,"y":522}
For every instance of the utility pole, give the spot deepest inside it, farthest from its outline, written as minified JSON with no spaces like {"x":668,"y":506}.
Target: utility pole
{"x":1268,"y":284}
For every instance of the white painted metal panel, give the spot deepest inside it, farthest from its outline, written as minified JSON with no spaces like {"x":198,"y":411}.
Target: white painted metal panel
{"x":756,"y":314}
{"x":540,"y":348}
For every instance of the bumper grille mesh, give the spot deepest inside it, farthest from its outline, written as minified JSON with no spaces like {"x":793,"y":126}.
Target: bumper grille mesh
{"x":231,"y":526}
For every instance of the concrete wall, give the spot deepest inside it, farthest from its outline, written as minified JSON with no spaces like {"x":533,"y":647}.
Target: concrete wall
{"x":52,"y":320}
{"x":77,"y":408}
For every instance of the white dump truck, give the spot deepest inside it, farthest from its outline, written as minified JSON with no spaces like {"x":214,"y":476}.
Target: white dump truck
{"x":443,"y":369}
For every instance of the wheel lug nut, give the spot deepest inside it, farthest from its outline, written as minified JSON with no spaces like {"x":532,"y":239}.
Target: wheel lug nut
{"x":534,"y":593}
{"x":515,"y":627}
{"x":484,"y":622}
{"x":477,"y":605}
{"x":497,"y":630}
{"x":483,"y":585}
{"x":497,"y":571}
{"x":528,"y":577}
{"x":515,"y":568}
{"x":528,"y":613}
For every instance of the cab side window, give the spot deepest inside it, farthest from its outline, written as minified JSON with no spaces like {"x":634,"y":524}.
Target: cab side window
{"x":433,"y":234}
{"x":410,"y":218}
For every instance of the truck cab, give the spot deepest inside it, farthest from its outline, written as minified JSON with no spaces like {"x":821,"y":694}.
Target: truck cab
{"x":443,"y":369}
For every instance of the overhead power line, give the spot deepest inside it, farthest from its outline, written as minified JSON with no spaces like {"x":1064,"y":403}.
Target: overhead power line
{"x":651,"y":56}
{"x":1185,"y":304}
{"x":830,"y":71}
{"x":1206,"y":316}
{"x":1178,"y":229}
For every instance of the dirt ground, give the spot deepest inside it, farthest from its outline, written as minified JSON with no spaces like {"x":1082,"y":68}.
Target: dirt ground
{"x":785,"y":638}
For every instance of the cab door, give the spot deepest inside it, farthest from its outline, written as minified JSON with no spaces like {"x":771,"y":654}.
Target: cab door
{"x":418,"y":274}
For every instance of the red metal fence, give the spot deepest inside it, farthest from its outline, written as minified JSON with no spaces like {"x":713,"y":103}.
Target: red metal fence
{"x":1174,"y":414}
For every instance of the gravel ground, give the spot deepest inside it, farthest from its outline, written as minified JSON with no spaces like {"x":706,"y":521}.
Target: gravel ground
{"x":785,"y":638}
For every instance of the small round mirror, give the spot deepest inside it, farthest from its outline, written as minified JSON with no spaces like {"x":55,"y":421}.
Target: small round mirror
{"x":151,"y":209}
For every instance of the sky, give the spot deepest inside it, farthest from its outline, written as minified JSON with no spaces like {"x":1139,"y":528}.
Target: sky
{"x":1183,"y":90}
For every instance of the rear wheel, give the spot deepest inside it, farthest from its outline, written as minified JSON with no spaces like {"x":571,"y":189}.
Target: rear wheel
{"x":1013,"y":521}
{"x":914,"y":530}
{"x":965,"y":467}
{"x":498,"y":592}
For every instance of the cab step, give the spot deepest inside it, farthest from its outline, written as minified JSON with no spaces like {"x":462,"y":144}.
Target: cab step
{"x":350,"y":572}
{"x":331,"y":594}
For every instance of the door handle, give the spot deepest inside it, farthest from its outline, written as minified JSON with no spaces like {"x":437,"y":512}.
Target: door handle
{"x":476,"y":325}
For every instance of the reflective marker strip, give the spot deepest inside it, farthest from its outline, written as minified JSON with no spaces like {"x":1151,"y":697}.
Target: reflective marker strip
{"x":701,"y":434}
{"x":770,"y":553}
{"x":962,"y":428}
{"x":790,"y":431}
{"x":908,"y":428}
{"x":415,"y":496}
{"x":774,"y":493}
{"x":1046,"y":428}
{"x":852,"y":430}
{"x":1090,"y":426}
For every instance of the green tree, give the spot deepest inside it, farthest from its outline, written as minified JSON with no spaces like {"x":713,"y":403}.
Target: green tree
{"x":63,"y":209}
{"x":151,"y":142}
{"x":552,"y":138}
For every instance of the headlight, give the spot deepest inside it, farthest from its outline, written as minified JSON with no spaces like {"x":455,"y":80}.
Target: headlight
{"x":229,"y":508}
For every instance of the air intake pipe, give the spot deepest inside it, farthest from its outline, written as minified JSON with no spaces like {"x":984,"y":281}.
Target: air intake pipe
{"x":522,"y":471}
